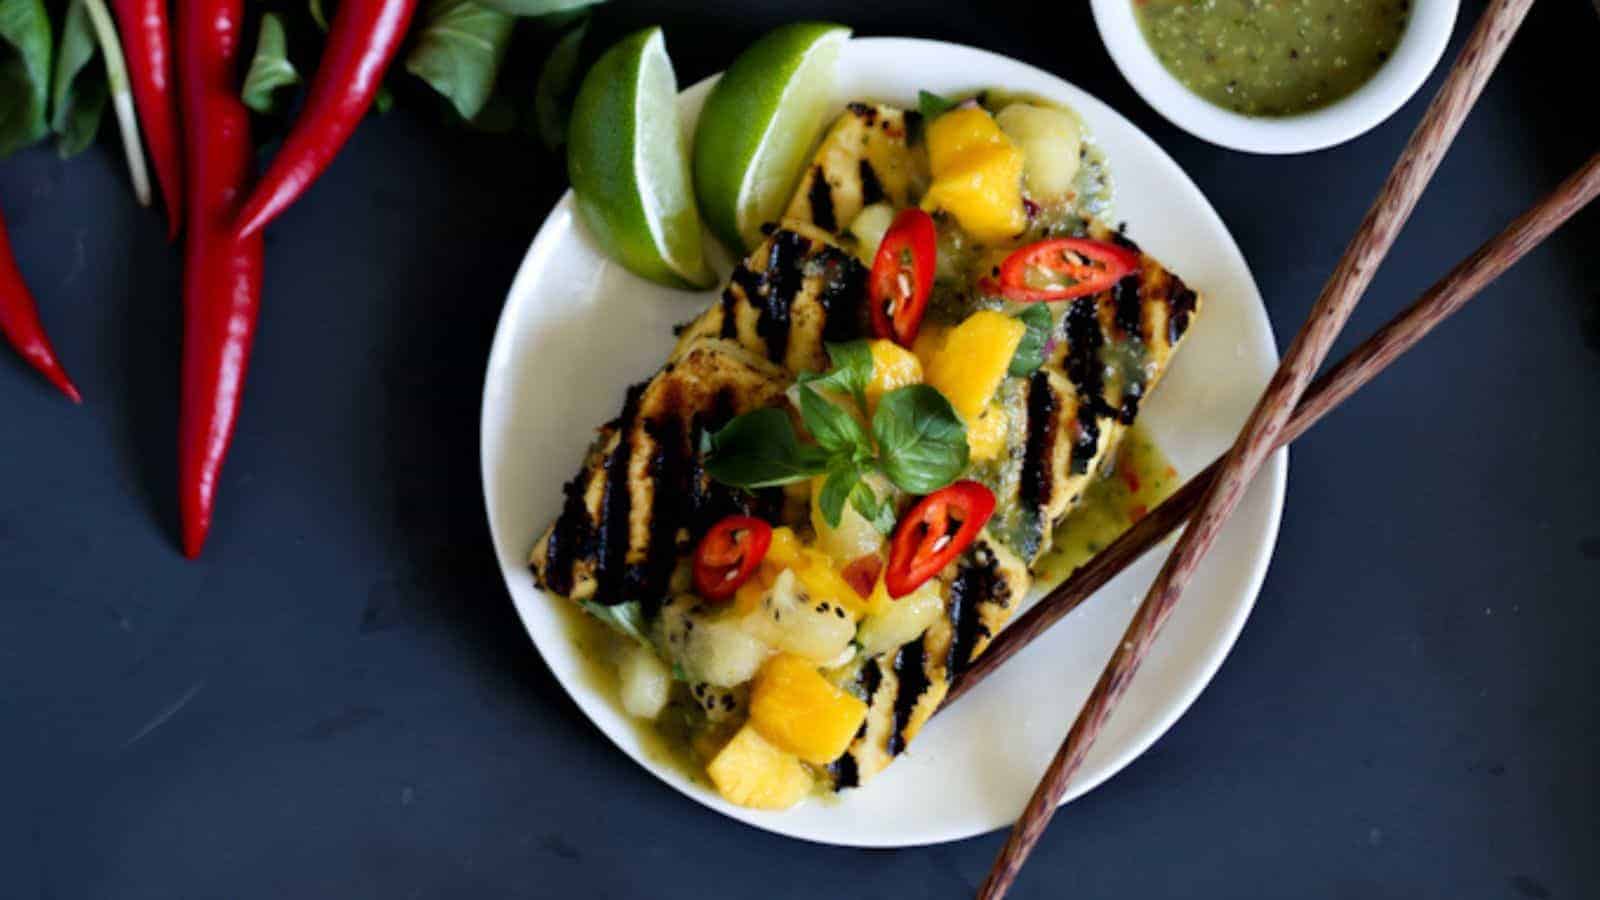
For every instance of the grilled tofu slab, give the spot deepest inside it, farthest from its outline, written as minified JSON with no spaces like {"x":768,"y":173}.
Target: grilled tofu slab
{"x":641,"y":497}
{"x":641,"y":492}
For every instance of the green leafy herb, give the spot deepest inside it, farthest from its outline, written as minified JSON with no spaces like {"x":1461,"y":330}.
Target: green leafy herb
{"x":552,"y":96}
{"x":314,"y":7}
{"x":1030,"y":352}
{"x":24,"y":73}
{"x":922,"y":445}
{"x":626,"y":618}
{"x":458,"y":50}
{"x":932,"y":106}
{"x":533,"y":8}
{"x":760,"y":449}
{"x":844,"y":475}
{"x":872,"y":508}
{"x":835,"y":430}
{"x":78,"y":99}
{"x":852,"y":369}
{"x":270,"y":68}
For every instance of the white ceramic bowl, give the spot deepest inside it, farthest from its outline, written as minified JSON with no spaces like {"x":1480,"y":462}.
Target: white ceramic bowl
{"x":578,"y":328}
{"x":1418,"y":52}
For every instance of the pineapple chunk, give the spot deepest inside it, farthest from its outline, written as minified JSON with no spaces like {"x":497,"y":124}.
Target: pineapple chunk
{"x":893,"y":623}
{"x":801,"y":712}
{"x":1051,"y":141}
{"x":750,"y":771}
{"x":893,"y":366}
{"x":973,"y":359}
{"x":986,"y":435}
{"x":977,"y":174}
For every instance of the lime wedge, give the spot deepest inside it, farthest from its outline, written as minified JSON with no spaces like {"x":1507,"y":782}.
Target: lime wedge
{"x":628,"y":166}
{"x":759,"y":125}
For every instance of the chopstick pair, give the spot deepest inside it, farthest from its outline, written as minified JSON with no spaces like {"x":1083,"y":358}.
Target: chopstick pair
{"x":1270,"y":424}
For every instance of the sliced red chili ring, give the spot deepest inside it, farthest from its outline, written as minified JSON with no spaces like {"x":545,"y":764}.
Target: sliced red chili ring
{"x":729,"y":554}
{"x":1061,"y":269}
{"x":902,"y":276}
{"x":938,"y":529}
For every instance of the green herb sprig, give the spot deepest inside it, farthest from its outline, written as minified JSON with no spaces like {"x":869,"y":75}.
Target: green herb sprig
{"x":916,"y":441}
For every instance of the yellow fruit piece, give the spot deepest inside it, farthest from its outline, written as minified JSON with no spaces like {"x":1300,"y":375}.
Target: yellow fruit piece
{"x":813,"y":568}
{"x":893,"y":366}
{"x":751,"y":772}
{"x":977,"y":175}
{"x":986,"y":437}
{"x":799,"y":711}
{"x":930,"y":340}
{"x":968,"y":369}
{"x":959,"y":132}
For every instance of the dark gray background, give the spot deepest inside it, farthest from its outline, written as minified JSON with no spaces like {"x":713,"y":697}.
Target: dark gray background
{"x":338,"y":701}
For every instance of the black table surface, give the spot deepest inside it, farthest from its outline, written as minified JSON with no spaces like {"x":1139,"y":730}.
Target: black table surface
{"x":338,"y":700}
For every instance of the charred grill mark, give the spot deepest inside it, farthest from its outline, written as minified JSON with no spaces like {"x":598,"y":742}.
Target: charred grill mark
{"x":867,"y":113}
{"x":1130,"y":306}
{"x":844,"y":772}
{"x":781,"y":282}
{"x":611,"y":549}
{"x":821,"y":199}
{"x":669,"y":475}
{"x":975,"y":583}
{"x":1087,"y":441}
{"x":912,"y":680}
{"x":1131,"y":395}
{"x":1084,"y":341}
{"x":1121,"y":239}
{"x":871,"y":187}
{"x":1180,"y":306}
{"x":1035,"y":479}
{"x":730,"y":304}
{"x":843,"y":293}
{"x":570,"y":539}
{"x":869,"y":680}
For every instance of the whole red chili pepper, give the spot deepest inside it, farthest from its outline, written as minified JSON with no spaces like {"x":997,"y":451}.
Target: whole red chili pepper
{"x":19,"y":320}
{"x":361,"y":41}
{"x":143,"y":26}
{"x":222,"y":272}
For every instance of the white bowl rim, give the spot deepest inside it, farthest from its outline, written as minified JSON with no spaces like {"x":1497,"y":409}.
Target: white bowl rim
{"x":1420,"y":48}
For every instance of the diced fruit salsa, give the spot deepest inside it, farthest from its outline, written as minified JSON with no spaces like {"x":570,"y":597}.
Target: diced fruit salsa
{"x":760,"y":665}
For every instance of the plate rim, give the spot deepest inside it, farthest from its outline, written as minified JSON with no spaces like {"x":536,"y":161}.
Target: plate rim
{"x":1274,"y":475}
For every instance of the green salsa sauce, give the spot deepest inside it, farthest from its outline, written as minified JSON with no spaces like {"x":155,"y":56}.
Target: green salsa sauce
{"x":1273,"y":57}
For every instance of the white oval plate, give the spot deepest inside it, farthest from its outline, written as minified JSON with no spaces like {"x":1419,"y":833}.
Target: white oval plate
{"x":577,"y":329}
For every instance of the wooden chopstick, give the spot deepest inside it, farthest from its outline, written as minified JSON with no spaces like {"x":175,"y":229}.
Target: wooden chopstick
{"x":1439,"y":302}
{"x":1267,"y":421}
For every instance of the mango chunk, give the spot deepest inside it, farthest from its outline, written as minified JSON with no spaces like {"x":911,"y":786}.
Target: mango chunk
{"x":893,"y":366}
{"x":977,"y":174}
{"x":813,"y":568}
{"x":986,"y":435}
{"x":801,"y":712}
{"x":972,"y":361}
{"x":750,"y":771}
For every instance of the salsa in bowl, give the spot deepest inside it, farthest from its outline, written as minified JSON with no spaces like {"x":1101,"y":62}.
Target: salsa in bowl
{"x":1290,"y":76}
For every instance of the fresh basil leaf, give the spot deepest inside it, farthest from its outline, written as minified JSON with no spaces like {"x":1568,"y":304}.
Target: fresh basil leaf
{"x":626,"y":618}
{"x":270,"y":68}
{"x":532,"y":8}
{"x":835,"y":430}
{"x":552,"y":96}
{"x":851,"y":369}
{"x":24,"y":73}
{"x":922,"y":444}
{"x":843,"y":476}
{"x":759,"y":449}
{"x":1030,"y":352}
{"x":458,"y":50}
{"x":932,"y":106}
{"x":872,"y":508}
{"x":78,"y":99}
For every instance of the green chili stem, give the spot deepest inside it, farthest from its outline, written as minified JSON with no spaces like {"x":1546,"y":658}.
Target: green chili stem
{"x":121,"y":98}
